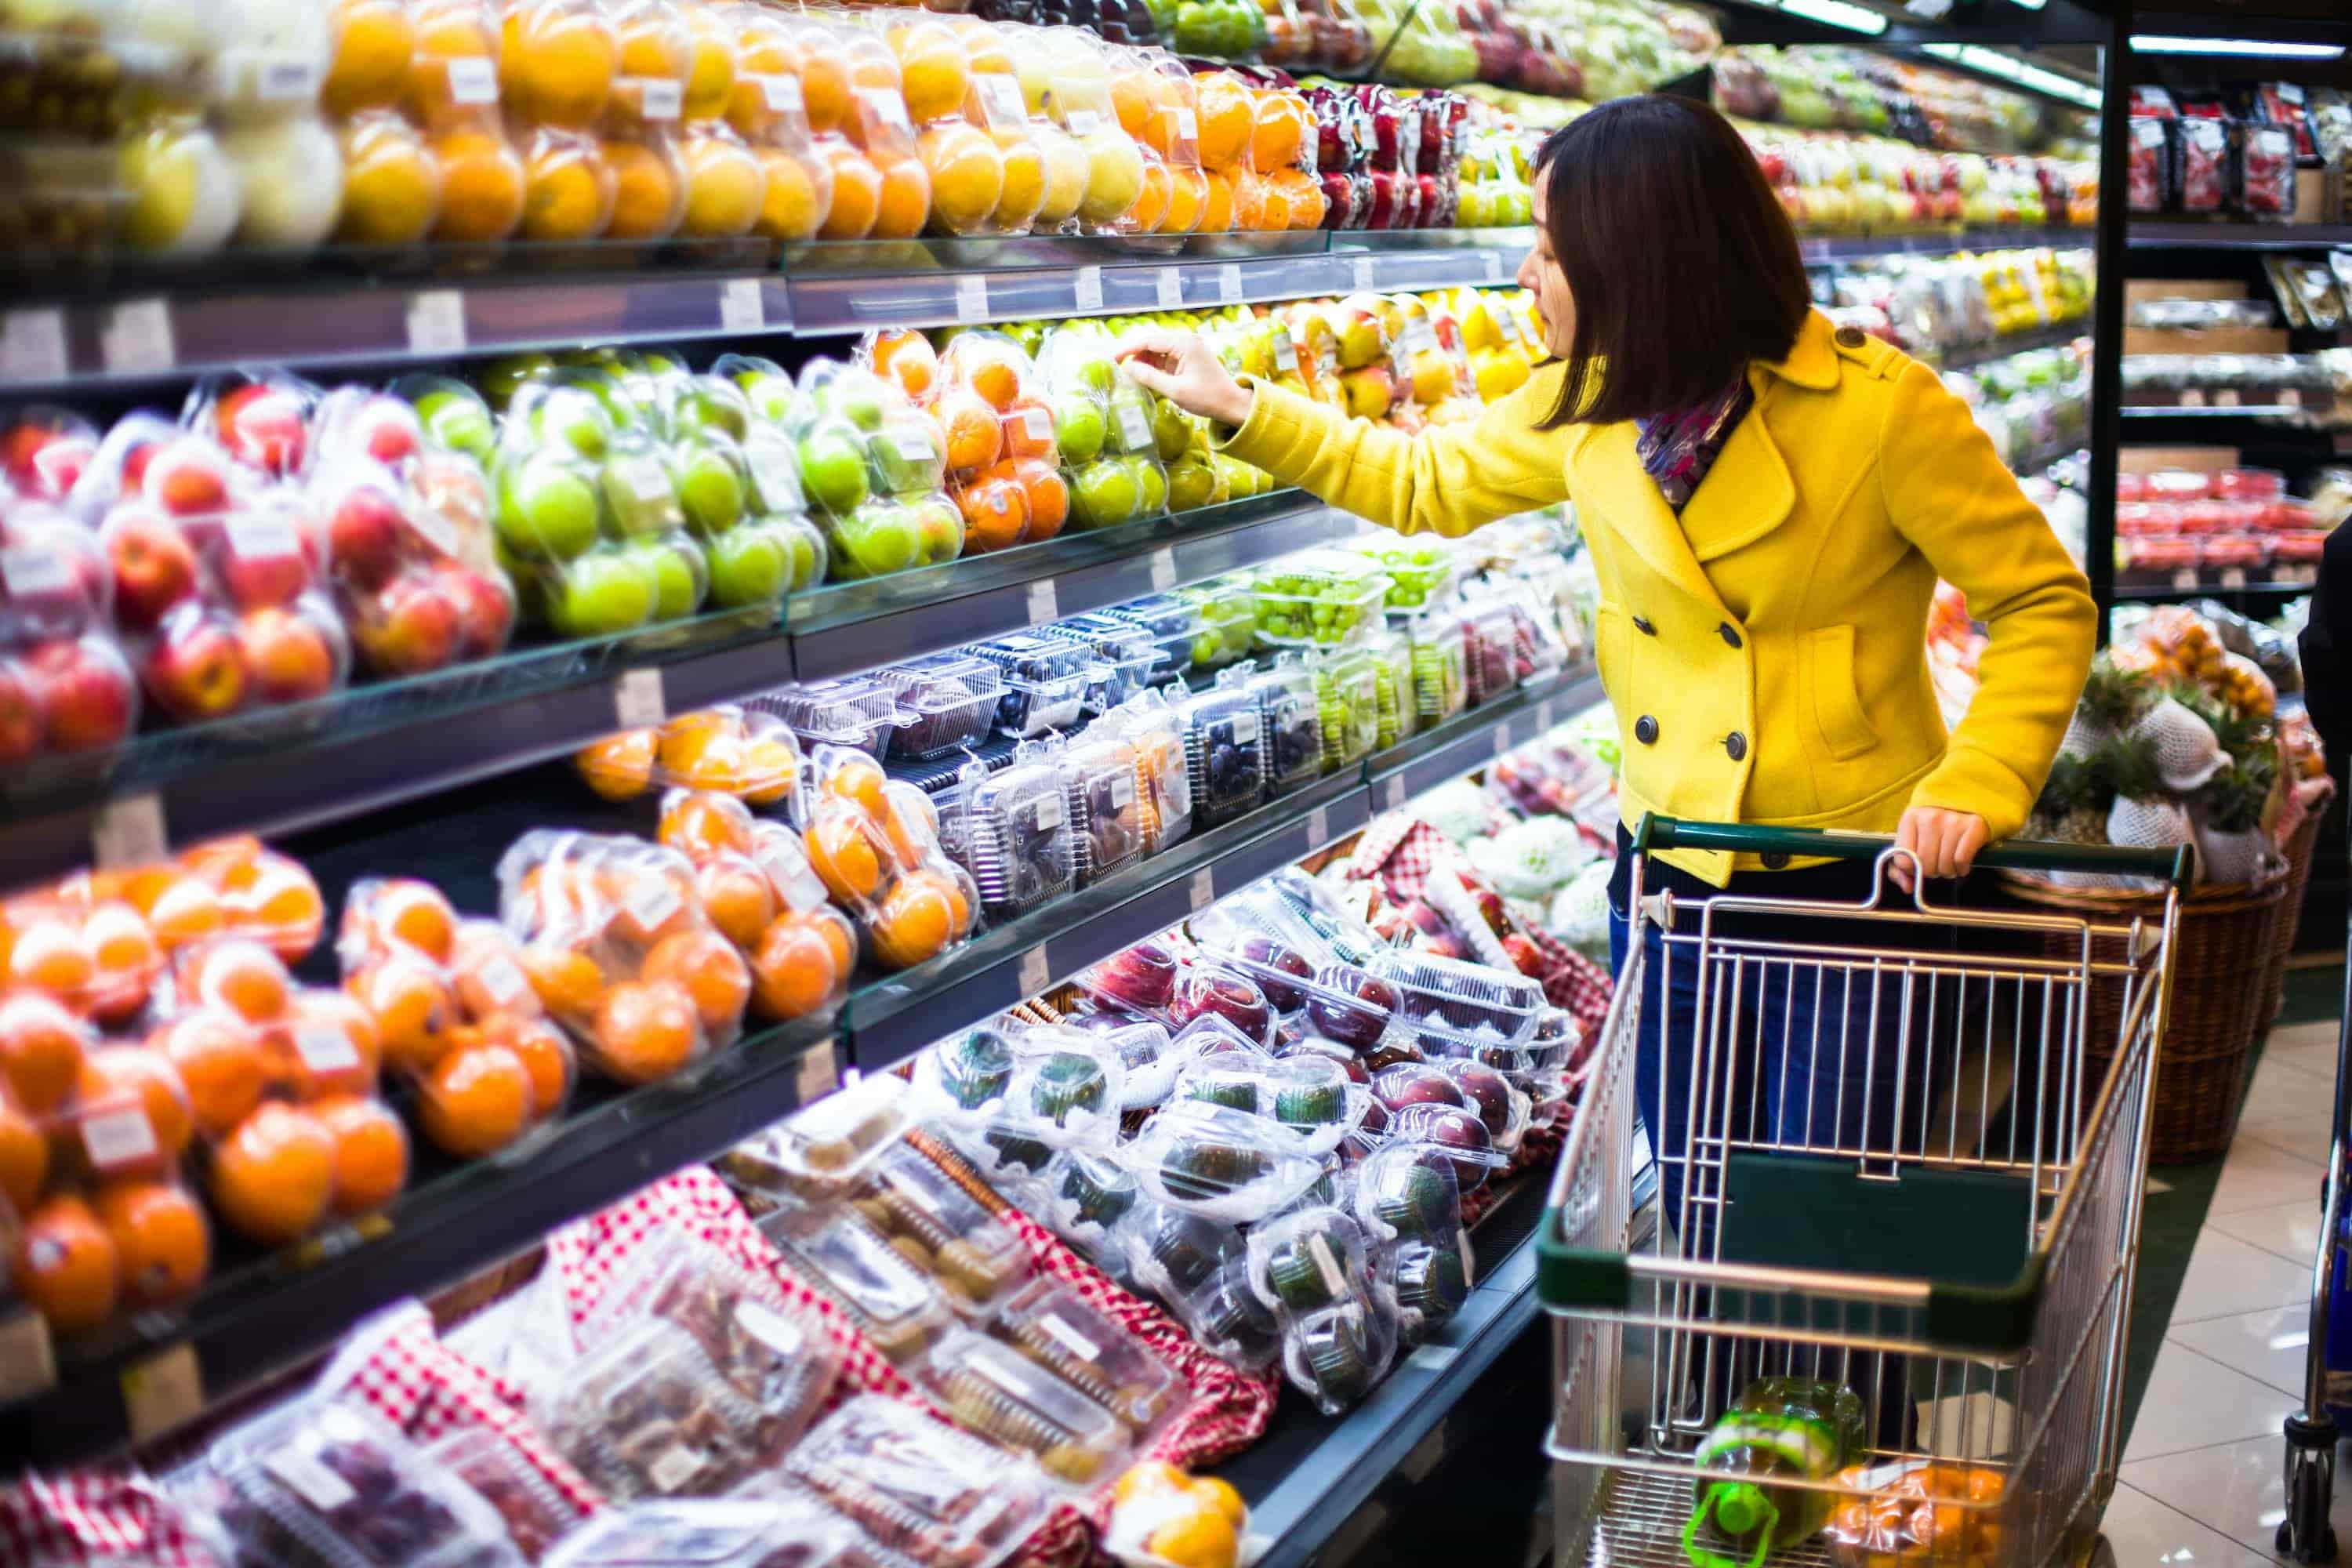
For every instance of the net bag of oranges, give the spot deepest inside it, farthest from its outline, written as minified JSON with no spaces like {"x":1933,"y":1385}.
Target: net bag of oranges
{"x":758,"y":890}
{"x":735,"y":750}
{"x":617,"y":947}
{"x":875,"y":845}
{"x":456,"y":1014}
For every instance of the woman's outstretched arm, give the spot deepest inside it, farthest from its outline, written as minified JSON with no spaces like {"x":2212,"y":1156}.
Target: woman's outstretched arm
{"x":1448,"y":479}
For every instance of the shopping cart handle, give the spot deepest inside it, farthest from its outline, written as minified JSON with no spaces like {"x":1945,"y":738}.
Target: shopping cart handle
{"x":2174,"y":865}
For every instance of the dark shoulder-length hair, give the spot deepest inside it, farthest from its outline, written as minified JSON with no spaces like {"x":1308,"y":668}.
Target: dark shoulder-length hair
{"x":1682,"y":266}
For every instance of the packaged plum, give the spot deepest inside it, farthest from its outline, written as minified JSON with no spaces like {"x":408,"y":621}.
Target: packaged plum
{"x":941,"y":1498}
{"x":317,"y":1484}
{"x":1020,"y":842}
{"x":1224,"y":751}
{"x":619,"y":951}
{"x":1490,"y":648}
{"x":942,"y":1229}
{"x":1221,"y":1163}
{"x":1163,"y":777}
{"x":1462,"y":1001}
{"x":946,"y":702}
{"x":450,"y":1004}
{"x":1139,"y":979}
{"x":895,"y":1303}
{"x":1212,"y":990}
{"x":1125,"y":657}
{"x":1099,"y":781}
{"x":857,"y":712}
{"x":1045,"y":681}
{"x":765,"y":1531}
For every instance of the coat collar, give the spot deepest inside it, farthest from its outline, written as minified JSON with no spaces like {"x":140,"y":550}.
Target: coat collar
{"x":1812,"y":362}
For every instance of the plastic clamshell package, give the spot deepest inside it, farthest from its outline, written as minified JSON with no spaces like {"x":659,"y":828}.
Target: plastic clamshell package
{"x":1318,"y":598}
{"x":893,"y":1303}
{"x":1228,"y":620}
{"x":767,"y":1532}
{"x":921,"y":1207}
{"x":860,"y":713}
{"x":1405,"y":1192}
{"x":1460,"y":1131}
{"x":1224,"y":752}
{"x":1312,"y":1266}
{"x":1200,"y":1268}
{"x":826,"y":1145}
{"x":1137,"y":979}
{"x":1100,"y":777}
{"x":1124,"y":655}
{"x":1067,"y":1087}
{"x":1489,"y":649}
{"x":1343,"y":930}
{"x":1347,"y":706}
{"x":1023,"y":1405}
{"x":1083,"y":1193}
{"x":537,"y":1513}
{"x":646,"y":1412}
{"x":1429,"y":1281}
{"x":1144,"y":1051}
{"x":1045,"y":681}
{"x":1466,"y":1001}
{"x":941,"y":1497}
{"x":1172,"y":623}
{"x":1290,"y":721}
{"x":1488,"y":1091}
{"x":944,"y":704}
{"x":317,"y":1484}
{"x":1310,"y":1098}
{"x":1221,"y":1163}
{"x":1018,"y":839}
{"x":959,"y":1079}
{"x":1054,"y":1325}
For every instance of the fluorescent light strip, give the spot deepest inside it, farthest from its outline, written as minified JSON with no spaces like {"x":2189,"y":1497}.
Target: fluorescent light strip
{"x":1837,"y":13}
{"x":2030,"y":5}
{"x":2263,"y":48}
{"x":1992,"y":62}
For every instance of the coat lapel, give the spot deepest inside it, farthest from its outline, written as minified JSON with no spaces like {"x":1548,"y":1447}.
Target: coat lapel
{"x":1606,"y":479}
{"x":1748,"y":493}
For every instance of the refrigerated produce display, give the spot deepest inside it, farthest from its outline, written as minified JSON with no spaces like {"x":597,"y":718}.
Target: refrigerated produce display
{"x":676,"y":882}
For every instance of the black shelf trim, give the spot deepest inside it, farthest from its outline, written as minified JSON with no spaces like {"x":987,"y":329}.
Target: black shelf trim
{"x":2180,"y":235}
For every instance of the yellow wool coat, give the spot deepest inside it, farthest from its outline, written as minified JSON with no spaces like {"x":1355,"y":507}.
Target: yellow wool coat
{"x":1765,"y":651}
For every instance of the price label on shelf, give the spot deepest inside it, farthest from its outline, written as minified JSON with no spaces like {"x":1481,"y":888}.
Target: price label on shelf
{"x":2194,"y":398}
{"x":437,"y":322}
{"x":2233,"y":576}
{"x":163,"y":1393}
{"x":742,"y":306}
{"x":1163,"y":569}
{"x":1035,"y":973}
{"x":2225,"y":397}
{"x":2184,"y":579}
{"x":972,"y":297}
{"x":2303,"y":575}
{"x":1493,"y":267}
{"x":127,"y":833}
{"x":1171,"y":284}
{"x":1364,"y":273}
{"x":1204,"y":888}
{"x":1229,"y":283}
{"x":1041,"y":605}
{"x":33,"y":345}
{"x":474,"y":80}
{"x":639,"y":701}
{"x":1088,"y":288}
{"x":137,"y":339}
{"x":1392,"y":792}
{"x":1543,"y":717}
{"x":1502,"y":739}
{"x":1319,"y":827}
{"x":2289,"y":397}
{"x":819,"y":1073}
{"x":28,"y":1362}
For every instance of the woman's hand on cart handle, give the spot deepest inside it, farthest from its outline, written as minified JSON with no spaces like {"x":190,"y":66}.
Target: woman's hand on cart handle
{"x":1182,"y":368}
{"x":1945,"y":843}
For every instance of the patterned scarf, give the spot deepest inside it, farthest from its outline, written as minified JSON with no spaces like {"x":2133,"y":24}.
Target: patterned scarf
{"x":1678,"y":447}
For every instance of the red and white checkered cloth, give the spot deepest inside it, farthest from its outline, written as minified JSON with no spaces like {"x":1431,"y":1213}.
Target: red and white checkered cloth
{"x":105,"y":1516}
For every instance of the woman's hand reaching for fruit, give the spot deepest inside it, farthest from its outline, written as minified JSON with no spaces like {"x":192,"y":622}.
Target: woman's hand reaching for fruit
{"x":1182,"y":368}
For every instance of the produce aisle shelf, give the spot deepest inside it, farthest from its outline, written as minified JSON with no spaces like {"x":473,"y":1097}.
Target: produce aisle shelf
{"x":2148,"y":236}
{"x":275,"y":1314}
{"x":290,"y":768}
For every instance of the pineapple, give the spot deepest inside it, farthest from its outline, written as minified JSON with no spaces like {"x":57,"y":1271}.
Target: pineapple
{"x":2074,"y":804}
{"x":2144,"y":815}
{"x":2112,"y":699}
{"x":2231,"y":843}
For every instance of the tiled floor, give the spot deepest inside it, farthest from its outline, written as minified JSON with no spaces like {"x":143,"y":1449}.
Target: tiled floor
{"x":2201,"y":1473}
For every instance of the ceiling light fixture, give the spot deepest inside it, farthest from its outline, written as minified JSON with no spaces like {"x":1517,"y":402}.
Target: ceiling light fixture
{"x":2264,"y":49}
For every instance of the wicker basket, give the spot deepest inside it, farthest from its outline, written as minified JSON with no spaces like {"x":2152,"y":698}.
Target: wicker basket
{"x":2225,"y":934}
{"x":2301,"y":849}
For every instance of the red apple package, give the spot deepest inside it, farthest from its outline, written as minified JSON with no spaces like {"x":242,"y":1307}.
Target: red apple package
{"x":456,"y":1014}
{"x":66,"y":684}
{"x":2202,"y":169}
{"x":2265,"y":174}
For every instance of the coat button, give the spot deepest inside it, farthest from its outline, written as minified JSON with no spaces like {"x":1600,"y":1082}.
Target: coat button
{"x":1646,"y":729}
{"x":1736,"y":745}
{"x":1730,"y":634}
{"x":1641,"y":624}
{"x":1851,"y":337}
{"x":1775,"y":861}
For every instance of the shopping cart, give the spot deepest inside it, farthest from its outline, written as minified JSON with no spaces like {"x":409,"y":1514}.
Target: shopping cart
{"x":2306,"y":1533}
{"x":1974,"y":1263}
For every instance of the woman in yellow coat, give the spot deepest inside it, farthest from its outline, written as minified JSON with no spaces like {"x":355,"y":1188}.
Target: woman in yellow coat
{"x":1769,"y":502}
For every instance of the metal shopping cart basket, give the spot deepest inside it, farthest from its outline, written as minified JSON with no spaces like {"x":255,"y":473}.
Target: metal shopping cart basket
{"x":1961,"y":1257}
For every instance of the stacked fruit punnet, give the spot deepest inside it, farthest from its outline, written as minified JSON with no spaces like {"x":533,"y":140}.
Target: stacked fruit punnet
{"x":855,"y":91}
{"x":637,"y":131}
{"x":875,"y":845}
{"x":767,"y":106}
{"x":1104,"y":426}
{"x":65,"y":682}
{"x":617,"y":947}
{"x":733,"y":751}
{"x":455,"y":1014}
{"x":871,"y":466}
{"x":997,"y":427}
{"x":757,"y":888}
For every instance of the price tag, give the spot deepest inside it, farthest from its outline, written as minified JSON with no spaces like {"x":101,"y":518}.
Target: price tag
{"x":437,"y":322}
{"x":2303,"y":575}
{"x":1088,"y":288}
{"x":257,"y":536}
{"x":781,"y":93}
{"x":1082,"y":122}
{"x":309,"y":1479}
{"x":438,"y":532}
{"x":1038,"y":424}
{"x":474,"y":80}
{"x":1363,"y":270}
{"x":1076,"y":1343}
{"x":1121,"y":791}
{"x":2194,"y":398}
{"x":972,"y":297}
{"x":653,"y":904}
{"x":29,"y":1363}
{"x":29,"y":572}
{"x":2225,"y":397}
{"x":1229,"y":283}
{"x":1042,"y":606}
{"x":1048,"y":814}
{"x":1134,"y":427}
{"x":2233,"y":576}
{"x":285,"y":79}
{"x":1163,"y":569}
{"x":1507,"y":322}
{"x":678,"y":1465}
{"x":999,"y":97}
{"x":2184,"y":579}
{"x":1319,"y":827}
{"x":502,"y":978}
{"x":771,"y":1329}
{"x":1493,"y":267}
{"x":1433,"y":1358}
{"x":742,"y":306}
{"x":324,"y":1048}
{"x":1036,"y":974}
{"x":1502,"y":739}
{"x":1286,"y":353}
{"x":1171,"y":283}
{"x":1419,"y":336}
{"x":1245,"y":728}
{"x":1334,"y":1281}
{"x":33,"y":345}
{"x":127,"y":833}
{"x":162,"y":1392}
{"x":1204,"y":888}
{"x":819,"y":1073}
{"x":115,"y":1139}
{"x":914,"y":446}
{"x":1543,"y":715}
{"x":778,"y":476}
{"x":1392,"y":792}
{"x":1188,"y":124}
{"x":639,"y":701}
{"x":2289,"y":397}
{"x":887,"y":108}
{"x":137,"y":339}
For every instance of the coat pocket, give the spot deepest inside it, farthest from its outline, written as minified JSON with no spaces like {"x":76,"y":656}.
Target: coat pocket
{"x":1845,"y":729}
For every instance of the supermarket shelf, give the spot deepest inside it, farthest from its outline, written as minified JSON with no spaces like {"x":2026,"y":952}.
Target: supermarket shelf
{"x":2237,"y":236}
{"x":1310,"y":1473}
{"x":1862,"y":247}
{"x":2051,"y":337}
{"x":2206,"y":412}
{"x":376,"y":745}
{"x":2148,"y":589}
{"x":273,"y":1315}
{"x":1471,"y":740}
{"x":846,"y":626}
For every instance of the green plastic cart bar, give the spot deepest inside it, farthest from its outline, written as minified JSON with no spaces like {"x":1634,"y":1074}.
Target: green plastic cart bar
{"x":1990,"y":1319}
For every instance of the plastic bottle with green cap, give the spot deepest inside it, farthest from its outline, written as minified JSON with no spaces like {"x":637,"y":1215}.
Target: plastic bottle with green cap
{"x":1796,"y":1427}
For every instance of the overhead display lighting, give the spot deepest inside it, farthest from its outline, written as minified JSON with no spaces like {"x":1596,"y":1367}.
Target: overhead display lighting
{"x":2261,"y":49}
{"x":1992,"y":62}
{"x":1837,"y":13}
